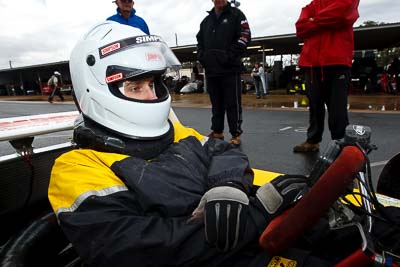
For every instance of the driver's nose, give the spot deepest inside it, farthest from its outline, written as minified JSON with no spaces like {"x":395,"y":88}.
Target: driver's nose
{"x":149,"y":92}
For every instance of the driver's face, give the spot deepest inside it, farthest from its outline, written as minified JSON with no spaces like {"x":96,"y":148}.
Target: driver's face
{"x":140,"y":89}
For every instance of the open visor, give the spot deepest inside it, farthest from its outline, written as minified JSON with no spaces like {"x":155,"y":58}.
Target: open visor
{"x":133,"y":57}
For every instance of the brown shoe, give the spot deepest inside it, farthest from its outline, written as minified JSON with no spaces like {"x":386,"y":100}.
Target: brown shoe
{"x":216,"y":135}
{"x":306,"y":147}
{"x":235,"y":140}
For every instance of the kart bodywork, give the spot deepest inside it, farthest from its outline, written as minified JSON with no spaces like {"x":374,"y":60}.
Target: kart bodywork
{"x":30,"y":235}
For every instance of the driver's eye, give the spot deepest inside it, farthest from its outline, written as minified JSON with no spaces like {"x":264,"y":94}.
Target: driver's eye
{"x":131,"y":86}
{"x":138,"y":86}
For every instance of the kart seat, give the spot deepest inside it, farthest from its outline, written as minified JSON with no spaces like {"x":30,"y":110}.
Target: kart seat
{"x":42,"y":243}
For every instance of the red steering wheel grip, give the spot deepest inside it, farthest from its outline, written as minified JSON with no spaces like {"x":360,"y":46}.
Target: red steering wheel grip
{"x":284,"y":230}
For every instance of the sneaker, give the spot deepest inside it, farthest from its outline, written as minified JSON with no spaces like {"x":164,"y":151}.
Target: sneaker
{"x":258,"y":97}
{"x":306,"y":147}
{"x":216,"y":135}
{"x":235,"y":140}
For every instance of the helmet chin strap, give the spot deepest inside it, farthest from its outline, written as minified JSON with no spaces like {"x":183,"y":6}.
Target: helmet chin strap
{"x":90,"y":135}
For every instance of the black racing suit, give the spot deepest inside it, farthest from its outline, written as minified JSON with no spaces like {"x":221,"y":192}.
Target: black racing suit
{"x":220,"y":42}
{"x":119,"y":210}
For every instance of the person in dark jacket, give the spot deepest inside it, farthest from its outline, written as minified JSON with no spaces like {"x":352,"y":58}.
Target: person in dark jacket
{"x":327,"y":30}
{"x":223,"y":37}
{"x":143,"y":189}
{"x":126,"y":14}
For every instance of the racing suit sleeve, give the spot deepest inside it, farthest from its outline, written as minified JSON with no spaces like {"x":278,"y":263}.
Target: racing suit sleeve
{"x":228,"y":166}
{"x":243,"y":36}
{"x":335,"y":15}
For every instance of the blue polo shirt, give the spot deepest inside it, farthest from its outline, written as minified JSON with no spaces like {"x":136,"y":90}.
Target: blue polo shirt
{"x":133,"y":20}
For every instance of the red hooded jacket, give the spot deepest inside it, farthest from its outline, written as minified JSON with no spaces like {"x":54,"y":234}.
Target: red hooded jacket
{"x":326,"y":26}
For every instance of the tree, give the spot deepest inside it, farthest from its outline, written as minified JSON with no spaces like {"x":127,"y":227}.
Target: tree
{"x":385,"y":56}
{"x":370,"y":23}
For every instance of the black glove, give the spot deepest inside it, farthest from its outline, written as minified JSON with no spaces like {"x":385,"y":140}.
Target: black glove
{"x":225,"y":211}
{"x":281,"y":193}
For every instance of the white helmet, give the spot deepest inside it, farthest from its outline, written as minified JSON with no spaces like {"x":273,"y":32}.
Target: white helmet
{"x":57,"y":73}
{"x":109,"y":54}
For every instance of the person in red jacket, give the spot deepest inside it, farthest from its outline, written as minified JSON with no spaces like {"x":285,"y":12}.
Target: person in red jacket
{"x":326,"y":27}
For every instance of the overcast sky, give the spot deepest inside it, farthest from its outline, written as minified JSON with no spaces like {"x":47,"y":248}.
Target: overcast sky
{"x":44,"y":31}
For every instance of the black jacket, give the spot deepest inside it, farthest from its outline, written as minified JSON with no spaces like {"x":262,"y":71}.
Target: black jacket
{"x":222,"y":40}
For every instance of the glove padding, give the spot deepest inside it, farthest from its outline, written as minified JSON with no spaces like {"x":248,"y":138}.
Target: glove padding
{"x":281,"y":192}
{"x":225,"y":211}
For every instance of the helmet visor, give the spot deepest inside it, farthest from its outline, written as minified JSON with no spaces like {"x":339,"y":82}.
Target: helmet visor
{"x":132,"y":57}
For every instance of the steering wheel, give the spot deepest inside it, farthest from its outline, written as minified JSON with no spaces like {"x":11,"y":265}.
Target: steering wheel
{"x":281,"y":233}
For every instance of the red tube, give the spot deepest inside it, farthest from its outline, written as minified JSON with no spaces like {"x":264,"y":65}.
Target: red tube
{"x":358,"y":258}
{"x":278,"y":237}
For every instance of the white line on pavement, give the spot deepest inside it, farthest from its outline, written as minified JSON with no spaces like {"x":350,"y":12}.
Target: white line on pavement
{"x":379,"y":163}
{"x":286,"y":128}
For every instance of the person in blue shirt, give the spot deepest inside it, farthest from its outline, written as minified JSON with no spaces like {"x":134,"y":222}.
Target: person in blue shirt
{"x":126,"y":14}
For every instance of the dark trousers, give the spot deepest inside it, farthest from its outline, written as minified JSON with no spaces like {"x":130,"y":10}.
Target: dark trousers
{"x":55,"y":91}
{"x":226,"y":95}
{"x":327,"y":85}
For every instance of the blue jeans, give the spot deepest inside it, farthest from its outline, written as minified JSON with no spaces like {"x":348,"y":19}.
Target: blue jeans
{"x":259,"y":87}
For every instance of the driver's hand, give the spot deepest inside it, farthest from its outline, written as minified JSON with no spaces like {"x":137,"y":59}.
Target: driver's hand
{"x":225,"y":211}
{"x":281,"y":193}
